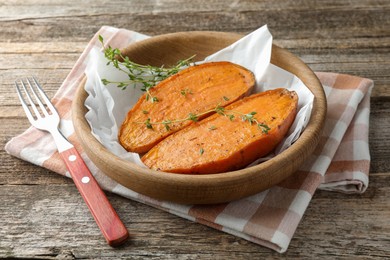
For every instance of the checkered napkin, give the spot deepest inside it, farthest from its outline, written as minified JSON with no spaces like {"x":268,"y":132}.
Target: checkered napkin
{"x":340,"y":162}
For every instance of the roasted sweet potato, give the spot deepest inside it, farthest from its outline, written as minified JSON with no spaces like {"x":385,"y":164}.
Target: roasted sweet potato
{"x":193,"y":90}
{"x":222,"y":142}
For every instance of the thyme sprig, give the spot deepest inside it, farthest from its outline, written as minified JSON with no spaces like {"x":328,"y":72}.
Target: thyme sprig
{"x":146,"y":75}
{"x":230,"y":114}
{"x":250,"y":118}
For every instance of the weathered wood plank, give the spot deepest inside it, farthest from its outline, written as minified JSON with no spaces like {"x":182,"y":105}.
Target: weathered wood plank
{"x":51,"y":220}
{"x":17,"y":10}
{"x":334,"y":23}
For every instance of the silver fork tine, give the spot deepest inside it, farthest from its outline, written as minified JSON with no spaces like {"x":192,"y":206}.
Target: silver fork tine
{"x":44,"y":96}
{"x":38,"y":99}
{"x":24,"y":104}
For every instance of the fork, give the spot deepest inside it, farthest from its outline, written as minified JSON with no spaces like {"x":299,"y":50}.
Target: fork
{"x":45,"y":117}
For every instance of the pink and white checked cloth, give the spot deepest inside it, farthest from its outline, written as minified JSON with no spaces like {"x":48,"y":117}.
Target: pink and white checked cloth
{"x":340,"y":162}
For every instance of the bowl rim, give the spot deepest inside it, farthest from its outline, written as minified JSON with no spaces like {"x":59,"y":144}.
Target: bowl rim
{"x":183,"y":182}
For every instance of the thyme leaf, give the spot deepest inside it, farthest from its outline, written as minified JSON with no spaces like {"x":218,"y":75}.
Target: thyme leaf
{"x":148,"y":124}
{"x":193,"y":117}
{"x":264,"y":128}
{"x":185,"y":91}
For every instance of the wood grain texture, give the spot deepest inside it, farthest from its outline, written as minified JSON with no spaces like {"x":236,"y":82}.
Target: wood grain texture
{"x":40,"y":213}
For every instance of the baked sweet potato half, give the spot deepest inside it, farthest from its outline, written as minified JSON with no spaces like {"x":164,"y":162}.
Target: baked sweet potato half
{"x":229,"y":140}
{"x":193,"y":90}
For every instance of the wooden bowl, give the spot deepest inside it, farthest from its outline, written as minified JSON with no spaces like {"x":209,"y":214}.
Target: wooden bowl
{"x":212,"y":188}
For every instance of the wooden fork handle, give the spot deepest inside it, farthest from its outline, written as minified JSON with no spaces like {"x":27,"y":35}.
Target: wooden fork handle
{"x":104,"y":214}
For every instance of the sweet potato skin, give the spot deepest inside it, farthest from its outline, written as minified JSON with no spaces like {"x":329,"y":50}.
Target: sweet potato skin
{"x":193,"y":90}
{"x":217,"y":144}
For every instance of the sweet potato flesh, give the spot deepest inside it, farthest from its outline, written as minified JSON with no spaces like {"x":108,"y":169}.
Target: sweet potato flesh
{"x":193,"y":90}
{"x":218,"y":144}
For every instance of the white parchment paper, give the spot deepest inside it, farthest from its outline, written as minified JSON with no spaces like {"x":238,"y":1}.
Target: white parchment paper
{"x":108,"y":105}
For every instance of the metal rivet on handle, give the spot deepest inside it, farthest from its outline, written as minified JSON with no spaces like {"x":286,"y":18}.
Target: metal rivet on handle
{"x":72,"y":158}
{"x":85,"y":179}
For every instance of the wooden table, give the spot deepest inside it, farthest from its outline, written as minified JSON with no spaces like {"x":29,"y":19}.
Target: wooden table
{"x":43,"y":216}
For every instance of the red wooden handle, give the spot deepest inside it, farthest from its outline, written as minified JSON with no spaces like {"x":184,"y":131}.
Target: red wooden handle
{"x":104,"y":214}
